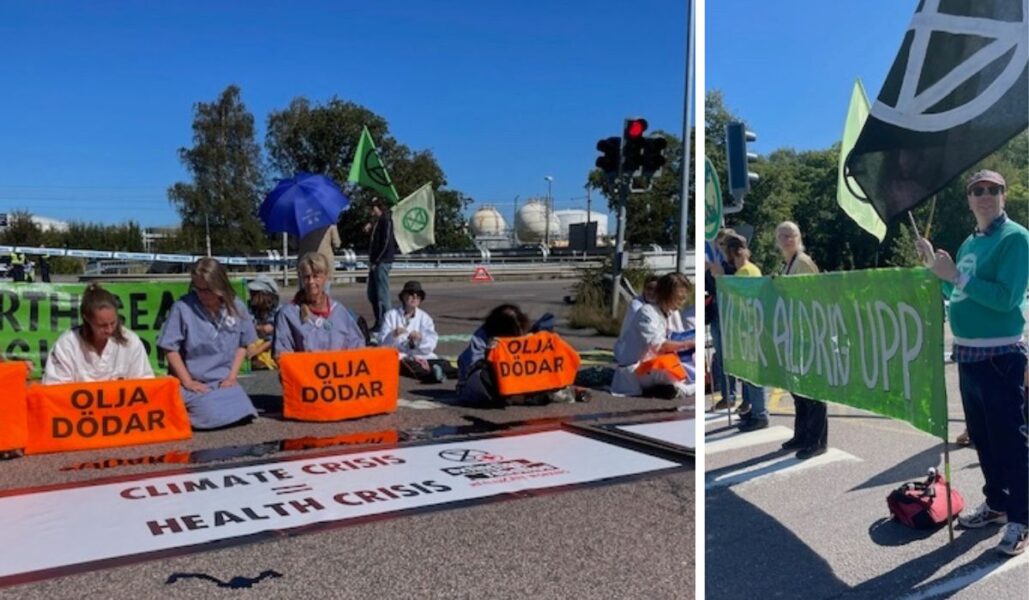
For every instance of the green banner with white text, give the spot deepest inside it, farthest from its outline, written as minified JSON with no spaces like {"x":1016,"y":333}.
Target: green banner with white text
{"x":34,"y":315}
{"x":870,"y":339}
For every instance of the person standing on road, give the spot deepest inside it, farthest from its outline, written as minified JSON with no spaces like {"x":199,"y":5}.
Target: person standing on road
{"x":756,"y":415}
{"x":987,"y":290}
{"x":810,"y":421}
{"x":381,"y":251}
{"x":324,"y":241}
{"x":726,"y":383}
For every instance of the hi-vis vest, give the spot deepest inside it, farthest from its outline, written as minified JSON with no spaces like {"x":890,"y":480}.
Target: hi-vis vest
{"x":17,"y":258}
{"x":533,"y":363}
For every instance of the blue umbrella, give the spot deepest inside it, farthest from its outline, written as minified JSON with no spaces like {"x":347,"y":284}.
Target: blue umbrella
{"x":302,"y":203}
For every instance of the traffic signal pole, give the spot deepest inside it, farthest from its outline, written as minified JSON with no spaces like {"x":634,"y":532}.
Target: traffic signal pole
{"x":684,"y":195}
{"x":616,"y":271}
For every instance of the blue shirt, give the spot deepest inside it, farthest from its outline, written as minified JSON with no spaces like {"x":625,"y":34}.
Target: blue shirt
{"x":315,"y":334}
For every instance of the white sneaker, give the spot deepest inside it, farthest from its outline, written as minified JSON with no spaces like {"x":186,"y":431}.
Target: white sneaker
{"x":983,"y":516}
{"x":1014,"y":539}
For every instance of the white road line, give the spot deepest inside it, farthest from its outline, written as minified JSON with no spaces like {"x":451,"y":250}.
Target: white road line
{"x":957,"y":583}
{"x":777,"y":467}
{"x":735,"y":441}
{"x":417,"y":404}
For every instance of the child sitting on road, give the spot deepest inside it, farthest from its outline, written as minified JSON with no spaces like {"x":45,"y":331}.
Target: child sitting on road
{"x":412,"y":332}
{"x":263,"y":305}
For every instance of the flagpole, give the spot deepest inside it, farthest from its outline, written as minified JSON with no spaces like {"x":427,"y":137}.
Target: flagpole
{"x":913,"y":224}
{"x":946,"y":481}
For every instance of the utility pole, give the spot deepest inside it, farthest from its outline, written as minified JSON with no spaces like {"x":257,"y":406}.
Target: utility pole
{"x":684,"y":200}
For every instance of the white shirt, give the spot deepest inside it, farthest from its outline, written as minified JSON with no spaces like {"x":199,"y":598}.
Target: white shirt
{"x":640,"y":340}
{"x":74,"y":359}
{"x":420,"y":322}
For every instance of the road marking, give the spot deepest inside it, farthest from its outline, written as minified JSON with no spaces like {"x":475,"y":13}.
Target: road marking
{"x":961,"y":582}
{"x":418,"y":404}
{"x":735,"y":441}
{"x":777,"y":467}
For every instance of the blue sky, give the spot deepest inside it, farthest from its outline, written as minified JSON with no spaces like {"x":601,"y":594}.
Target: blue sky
{"x":98,"y":96}
{"x":787,"y":67}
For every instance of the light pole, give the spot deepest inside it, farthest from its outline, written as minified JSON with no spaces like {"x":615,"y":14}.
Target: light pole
{"x":546,"y":236}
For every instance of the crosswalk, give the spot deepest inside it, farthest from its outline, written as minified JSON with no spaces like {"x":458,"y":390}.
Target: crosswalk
{"x":777,"y":467}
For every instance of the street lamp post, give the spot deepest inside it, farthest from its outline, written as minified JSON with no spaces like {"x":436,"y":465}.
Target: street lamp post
{"x":546,"y":235}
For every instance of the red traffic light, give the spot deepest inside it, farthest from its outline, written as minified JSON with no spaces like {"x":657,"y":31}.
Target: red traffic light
{"x":635,"y":128}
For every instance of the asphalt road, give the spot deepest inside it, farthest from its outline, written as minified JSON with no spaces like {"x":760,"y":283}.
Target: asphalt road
{"x":779,"y":528}
{"x":618,"y":539}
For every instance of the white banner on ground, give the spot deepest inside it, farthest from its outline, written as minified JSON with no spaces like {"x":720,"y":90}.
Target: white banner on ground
{"x":97,"y":521}
{"x":681,"y":432}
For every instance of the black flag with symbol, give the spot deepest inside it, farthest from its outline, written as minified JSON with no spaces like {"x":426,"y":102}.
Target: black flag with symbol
{"x":957,"y":90}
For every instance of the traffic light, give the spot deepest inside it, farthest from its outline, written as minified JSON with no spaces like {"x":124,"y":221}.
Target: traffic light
{"x":632,"y":145}
{"x":740,"y":176}
{"x":653,"y":155}
{"x":612,"y":149}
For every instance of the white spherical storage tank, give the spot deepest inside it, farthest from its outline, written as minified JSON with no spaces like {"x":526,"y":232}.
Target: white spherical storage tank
{"x":531,"y":222}
{"x":574,"y":216}
{"x":487,"y":221}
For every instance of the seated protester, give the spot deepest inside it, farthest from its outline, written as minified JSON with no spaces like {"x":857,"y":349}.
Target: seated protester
{"x":649,"y":295}
{"x":411,"y":331}
{"x":263,"y":305}
{"x":205,"y":339}
{"x":646,"y":338}
{"x":100,"y":349}
{"x":313,"y":322}
{"x":682,"y":326}
{"x":475,"y":383}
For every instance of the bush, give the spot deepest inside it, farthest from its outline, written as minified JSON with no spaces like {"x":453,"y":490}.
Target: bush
{"x":592,"y":307}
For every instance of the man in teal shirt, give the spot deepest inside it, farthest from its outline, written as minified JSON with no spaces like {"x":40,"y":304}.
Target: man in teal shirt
{"x":987,"y":290}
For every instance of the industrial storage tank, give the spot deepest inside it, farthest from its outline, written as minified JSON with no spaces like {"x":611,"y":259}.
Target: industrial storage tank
{"x":488,"y":222}
{"x":574,"y":216}
{"x":531,"y":222}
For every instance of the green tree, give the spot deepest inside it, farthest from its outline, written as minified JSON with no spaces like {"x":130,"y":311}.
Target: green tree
{"x":323,"y":138}
{"x":227,"y":185}
{"x":21,"y":230}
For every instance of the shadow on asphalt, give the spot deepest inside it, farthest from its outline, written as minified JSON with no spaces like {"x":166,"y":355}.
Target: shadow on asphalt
{"x":887,"y":532}
{"x":915,"y":467}
{"x":749,"y":553}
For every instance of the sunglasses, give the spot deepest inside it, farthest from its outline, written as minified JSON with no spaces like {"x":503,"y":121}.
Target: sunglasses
{"x":993,"y":190}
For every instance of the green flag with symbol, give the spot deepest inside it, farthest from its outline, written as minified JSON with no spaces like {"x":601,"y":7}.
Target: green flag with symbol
{"x":712,"y":202}
{"x":369,"y":172}
{"x":862,"y":212}
{"x":414,"y":220}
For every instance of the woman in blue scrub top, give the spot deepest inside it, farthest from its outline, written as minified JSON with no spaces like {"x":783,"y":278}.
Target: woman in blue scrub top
{"x":314,"y":322}
{"x":205,"y":339}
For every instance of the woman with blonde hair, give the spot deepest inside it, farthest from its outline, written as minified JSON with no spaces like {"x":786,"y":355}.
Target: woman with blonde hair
{"x":811,"y":421}
{"x":314,"y":321}
{"x":205,"y":340}
{"x":99,"y":349}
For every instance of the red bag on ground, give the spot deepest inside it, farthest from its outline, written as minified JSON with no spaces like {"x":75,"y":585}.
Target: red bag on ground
{"x":923,"y":504}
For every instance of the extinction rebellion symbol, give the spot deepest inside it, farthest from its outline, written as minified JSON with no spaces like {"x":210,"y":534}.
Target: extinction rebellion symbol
{"x":415,"y":219}
{"x":471,"y":456}
{"x":926,"y":93}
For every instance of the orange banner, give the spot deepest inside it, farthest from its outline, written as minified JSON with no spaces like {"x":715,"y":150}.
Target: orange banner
{"x":13,"y":414}
{"x":668,"y":363}
{"x":344,"y":384}
{"x":105,"y":414}
{"x":533,"y":363}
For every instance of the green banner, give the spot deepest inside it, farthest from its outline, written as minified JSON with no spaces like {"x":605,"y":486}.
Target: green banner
{"x":368,"y":171}
{"x":34,"y":315}
{"x":868,"y":339}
